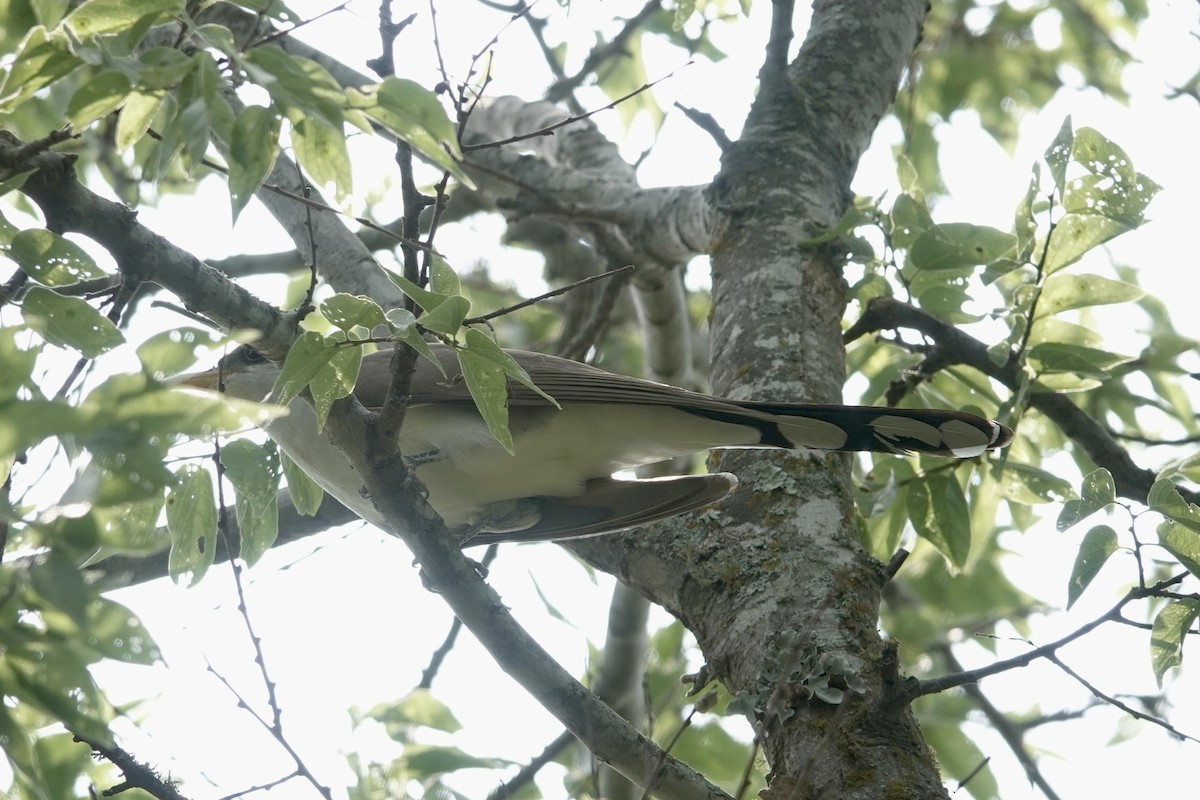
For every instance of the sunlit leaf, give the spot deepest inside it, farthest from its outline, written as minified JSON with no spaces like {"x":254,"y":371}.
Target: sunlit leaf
{"x":135,"y":117}
{"x":489,"y":389}
{"x":171,"y":351}
{"x":1096,"y":492}
{"x":306,"y":494}
{"x":1062,"y":292}
{"x":69,"y":322}
{"x":96,"y":17}
{"x":317,"y":362}
{"x":1028,"y":484}
{"x":52,"y":260}
{"x":448,"y":317}
{"x":335,"y":381}
{"x":347,"y":311}
{"x":956,"y":244}
{"x":418,"y":708}
{"x":415,"y":114}
{"x":321,"y":150}
{"x":1182,"y":542}
{"x":252,"y":153}
{"x":427,"y":299}
{"x":1168,"y":633}
{"x":480,"y":345}
{"x":1098,"y":544}
{"x":42,"y":59}
{"x":296,"y":83}
{"x":1085,"y":361}
{"x":939,"y":514}
{"x":1058,"y":155}
{"x":424,"y":760}
{"x":1164,"y":498}
{"x":192,"y":521}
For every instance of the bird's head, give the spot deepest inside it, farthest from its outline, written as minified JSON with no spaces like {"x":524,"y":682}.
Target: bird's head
{"x":244,"y":373}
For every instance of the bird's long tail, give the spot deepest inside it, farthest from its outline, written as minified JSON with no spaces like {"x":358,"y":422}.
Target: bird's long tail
{"x":889,"y":430}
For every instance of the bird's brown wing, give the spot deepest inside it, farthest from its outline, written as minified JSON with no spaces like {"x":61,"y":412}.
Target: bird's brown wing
{"x":826,"y":427}
{"x":607,"y":506}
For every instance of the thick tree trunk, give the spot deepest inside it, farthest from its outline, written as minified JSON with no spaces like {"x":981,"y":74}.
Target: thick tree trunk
{"x":777,"y":588}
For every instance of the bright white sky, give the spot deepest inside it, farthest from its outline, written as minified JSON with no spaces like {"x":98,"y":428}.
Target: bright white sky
{"x":343,"y":617}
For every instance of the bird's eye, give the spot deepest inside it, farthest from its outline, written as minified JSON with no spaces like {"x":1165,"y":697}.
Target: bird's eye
{"x":252,"y":356}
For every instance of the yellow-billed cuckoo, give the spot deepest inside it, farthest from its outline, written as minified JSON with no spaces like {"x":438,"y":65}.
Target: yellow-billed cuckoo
{"x":558,"y":484}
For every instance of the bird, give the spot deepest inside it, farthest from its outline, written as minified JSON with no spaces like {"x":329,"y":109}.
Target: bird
{"x":558,"y":482}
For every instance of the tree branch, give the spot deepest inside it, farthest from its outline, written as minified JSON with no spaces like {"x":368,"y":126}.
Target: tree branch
{"x":953,"y":346}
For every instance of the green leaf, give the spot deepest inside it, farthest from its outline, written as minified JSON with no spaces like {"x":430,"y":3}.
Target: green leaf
{"x":480,"y":345}
{"x":1085,"y":361}
{"x":939,"y":514}
{"x":1059,"y":155}
{"x":294,"y":82}
{"x":427,"y":299}
{"x":489,"y":389}
{"x":955,"y":245}
{"x":55,"y":680}
{"x":163,"y":68}
{"x":448,"y":317}
{"x":415,"y":114}
{"x":255,"y":471}
{"x":130,"y":527}
{"x":52,"y":260}
{"x":258,"y":527}
{"x":252,"y":153}
{"x":909,"y":219}
{"x":60,"y":584}
{"x":419,"y":707}
{"x":1098,"y":544}
{"x":1031,"y":485}
{"x":42,"y":59}
{"x":335,"y":381}
{"x":347,"y":311}
{"x":96,"y":17}
{"x":321,"y":150}
{"x":115,"y":632}
{"x":135,"y":117}
{"x":309,"y":354}
{"x":621,"y":77}
{"x":1181,"y":541}
{"x":306,"y":493}
{"x":1096,"y":492}
{"x":1076,"y":234}
{"x":1063,"y":292}
{"x":172,"y":351}
{"x":1052,"y":330}
{"x":69,"y":322}
{"x":443,"y":279}
{"x":1167,"y":635}
{"x":424,"y":761}
{"x":1166,"y":500}
{"x":97,"y":98}
{"x":192,"y":522}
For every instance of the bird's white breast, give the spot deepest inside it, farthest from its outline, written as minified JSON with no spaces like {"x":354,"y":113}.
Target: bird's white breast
{"x":465,"y":469}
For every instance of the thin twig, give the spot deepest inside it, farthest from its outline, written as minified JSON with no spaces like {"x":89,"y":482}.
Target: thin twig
{"x":953,"y":679}
{"x":439,"y":655}
{"x":616,"y":46}
{"x":549,"y":129}
{"x":1128,"y":709}
{"x":1011,"y":735}
{"x":547,"y":295}
{"x":527,"y":773}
